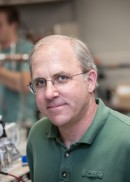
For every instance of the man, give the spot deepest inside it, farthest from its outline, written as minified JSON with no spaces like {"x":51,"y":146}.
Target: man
{"x":16,"y":104}
{"x":81,"y":140}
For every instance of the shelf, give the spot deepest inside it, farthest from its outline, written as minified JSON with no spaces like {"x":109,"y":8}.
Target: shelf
{"x":17,"y":2}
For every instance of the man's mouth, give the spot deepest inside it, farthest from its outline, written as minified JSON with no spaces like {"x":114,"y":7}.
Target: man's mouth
{"x":55,"y":106}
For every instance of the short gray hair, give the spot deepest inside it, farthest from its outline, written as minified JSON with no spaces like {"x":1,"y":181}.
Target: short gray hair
{"x":80,"y":49}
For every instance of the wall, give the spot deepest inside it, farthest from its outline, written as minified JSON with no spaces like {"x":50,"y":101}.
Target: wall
{"x":105,"y":27}
{"x":42,"y":16}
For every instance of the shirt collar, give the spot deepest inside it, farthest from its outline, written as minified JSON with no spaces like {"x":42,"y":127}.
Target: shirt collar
{"x":97,"y":124}
{"x":53,"y":131}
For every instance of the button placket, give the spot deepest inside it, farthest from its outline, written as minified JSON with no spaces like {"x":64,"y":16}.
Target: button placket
{"x":66,"y":165}
{"x":67,"y":154}
{"x":64,"y":174}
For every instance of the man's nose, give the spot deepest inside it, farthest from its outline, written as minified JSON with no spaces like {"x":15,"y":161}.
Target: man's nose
{"x":51,"y":91}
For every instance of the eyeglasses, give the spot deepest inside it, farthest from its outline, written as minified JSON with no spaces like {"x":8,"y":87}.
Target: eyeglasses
{"x":58,"y":80}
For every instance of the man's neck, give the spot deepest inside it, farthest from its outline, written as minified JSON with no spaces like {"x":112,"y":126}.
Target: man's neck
{"x":73,"y":132}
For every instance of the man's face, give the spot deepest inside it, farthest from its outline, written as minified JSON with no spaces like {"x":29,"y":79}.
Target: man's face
{"x":66,"y":103}
{"x":5,"y":28}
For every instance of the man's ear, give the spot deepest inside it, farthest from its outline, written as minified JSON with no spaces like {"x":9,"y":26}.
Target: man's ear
{"x":92,"y":80}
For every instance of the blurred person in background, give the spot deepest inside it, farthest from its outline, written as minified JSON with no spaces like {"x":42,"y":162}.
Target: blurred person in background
{"x":16,"y":103}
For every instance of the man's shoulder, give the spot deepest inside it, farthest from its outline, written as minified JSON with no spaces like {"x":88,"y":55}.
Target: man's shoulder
{"x":113,"y":117}
{"x":43,"y":123}
{"x":119,"y":126}
{"x":40,"y":127}
{"x":119,"y":117}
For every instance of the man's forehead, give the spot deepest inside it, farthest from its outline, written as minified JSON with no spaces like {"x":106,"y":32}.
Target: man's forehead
{"x":54,"y":45}
{"x":61,"y":57}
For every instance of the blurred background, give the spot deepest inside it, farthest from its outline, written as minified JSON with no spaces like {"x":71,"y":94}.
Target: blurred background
{"x":103,"y":25}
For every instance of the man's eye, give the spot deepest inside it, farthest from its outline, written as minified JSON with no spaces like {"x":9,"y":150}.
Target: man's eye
{"x":63,"y":78}
{"x":40,"y":83}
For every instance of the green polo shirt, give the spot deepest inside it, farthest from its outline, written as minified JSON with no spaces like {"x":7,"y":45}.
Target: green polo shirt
{"x":101,"y":155}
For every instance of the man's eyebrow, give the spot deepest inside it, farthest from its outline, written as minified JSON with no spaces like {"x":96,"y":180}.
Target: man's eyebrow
{"x":61,"y":73}
{"x":56,"y":74}
{"x":38,"y":78}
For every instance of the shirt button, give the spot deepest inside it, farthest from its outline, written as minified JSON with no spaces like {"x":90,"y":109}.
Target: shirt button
{"x":67,"y":154}
{"x":64,"y":174}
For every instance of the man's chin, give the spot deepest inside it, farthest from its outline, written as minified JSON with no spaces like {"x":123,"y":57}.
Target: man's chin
{"x":58,"y":121}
